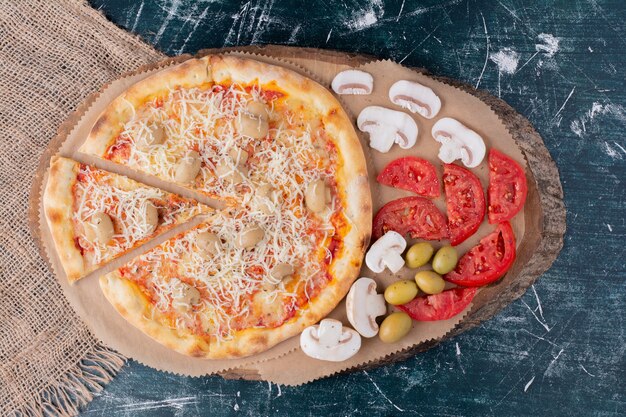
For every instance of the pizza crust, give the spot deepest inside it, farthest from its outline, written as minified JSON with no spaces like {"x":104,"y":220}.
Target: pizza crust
{"x":58,"y":207}
{"x":352,"y":188}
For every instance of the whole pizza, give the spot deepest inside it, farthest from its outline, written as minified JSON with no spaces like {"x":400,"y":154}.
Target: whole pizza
{"x":283,"y":158}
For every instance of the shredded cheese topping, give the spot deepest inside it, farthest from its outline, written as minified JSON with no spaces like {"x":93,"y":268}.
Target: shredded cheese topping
{"x":236,"y":285}
{"x":125,"y":202}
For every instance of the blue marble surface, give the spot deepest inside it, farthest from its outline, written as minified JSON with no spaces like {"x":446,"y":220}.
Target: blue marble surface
{"x":560,"y":350}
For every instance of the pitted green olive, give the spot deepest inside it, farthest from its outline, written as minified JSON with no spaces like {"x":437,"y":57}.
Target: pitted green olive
{"x":430,"y":282}
{"x":419,"y":254}
{"x":401,"y":292}
{"x":395,"y":327}
{"x":445,"y":260}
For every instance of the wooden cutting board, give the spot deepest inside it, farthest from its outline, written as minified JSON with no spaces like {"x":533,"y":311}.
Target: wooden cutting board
{"x":544,"y":229}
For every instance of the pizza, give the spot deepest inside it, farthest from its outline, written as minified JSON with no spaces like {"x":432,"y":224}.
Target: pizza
{"x":95,"y":216}
{"x":281,"y":153}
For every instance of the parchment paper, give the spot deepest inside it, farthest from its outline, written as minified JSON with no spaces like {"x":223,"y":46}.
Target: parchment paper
{"x":285,"y":363}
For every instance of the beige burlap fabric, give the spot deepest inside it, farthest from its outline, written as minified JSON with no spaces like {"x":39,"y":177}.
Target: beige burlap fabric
{"x":52,"y":55}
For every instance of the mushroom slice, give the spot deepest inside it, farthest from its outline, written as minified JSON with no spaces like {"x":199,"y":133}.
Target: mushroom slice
{"x":252,"y":121}
{"x":282,"y":271}
{"x":415,"y":97}
{"x":316,"y":195}
{"x":185,"y":296}
{"x":386,"y":127}
{"x":249,"y":237}
{"x":208,"y":243}
{"x":458,"y":142}
{"x":386,"y":252}
{"x":330,"y":341}
{"x":99,"y":228}
{"x":239,"y":156}
{"x":363,"y":305}
{"x":353,"y":82}
{"x":188,"y":167}
{"x":155,"y":135}
{"x":151,"y":216}
{"x":230,"y":174}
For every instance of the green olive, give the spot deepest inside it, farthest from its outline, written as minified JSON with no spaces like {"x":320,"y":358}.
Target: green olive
{"x":419,"y":254}
{"x":395,"y":327}
{"x":430,"y":282}
{"x":401,"y":292}
{"x":445,"y":260}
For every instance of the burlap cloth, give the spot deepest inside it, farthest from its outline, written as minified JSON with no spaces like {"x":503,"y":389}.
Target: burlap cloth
{"x":52,"y":55}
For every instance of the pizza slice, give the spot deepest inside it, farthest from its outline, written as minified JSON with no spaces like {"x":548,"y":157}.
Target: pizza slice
{"x":95,"y":216}
{"x":234,"y":285}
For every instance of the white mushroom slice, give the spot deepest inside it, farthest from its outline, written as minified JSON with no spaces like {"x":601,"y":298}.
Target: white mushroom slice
{"x":458,"y":142}
{"x":281,"y":271}
{"x":99,"y":228}
{"x":252,"y":126}
{"x":155,"y":135}
{"x":151,"y":214}
{"x":186,"y":296}
{"x":239,"y":156}
{"x":363,"y":305}
{"x":188,"y":167}
{"x":386,"y":127}
{"x":208,"y":243}
{"x":386,"y":252}
{"x":415,"y":97}
{"x":230,"y":174}
{"x":316,"y":195}
{"x":257,"y":109}
{"x":330,"y":341}
{"x":249,"y":237}
{"x":266,"y":199}
{"x":353,"y":82}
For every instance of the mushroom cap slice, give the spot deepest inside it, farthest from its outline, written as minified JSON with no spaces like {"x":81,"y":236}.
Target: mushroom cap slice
{"x":415,"y":97}
{"x":386,"y":127}
{"x":386,"y":252}
{"x":353,"y":82}
{"x":188,"y":167}
{"x":99,"y":228}
{"x":151,"y":214}
{"x":155,"y":134}
{"x":363,"y":305}
{"x":458,"y":142}
{"x":316,"y":196}
{"x":249,"y":237}
{"x":330,"y":341}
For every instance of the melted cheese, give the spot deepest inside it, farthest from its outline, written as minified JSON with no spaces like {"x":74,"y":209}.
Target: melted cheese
{"x":125,"y":202}
{"x":236,"y":284}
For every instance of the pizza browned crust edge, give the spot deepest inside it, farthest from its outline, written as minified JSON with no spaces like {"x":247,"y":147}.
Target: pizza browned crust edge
{"x":58,"y":205}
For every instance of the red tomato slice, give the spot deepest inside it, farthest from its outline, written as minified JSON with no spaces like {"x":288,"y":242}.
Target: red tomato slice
{"x":412,"y":174}
{"x":465,"y":202}
{"x":487,"y":261}
{"x":415,"y":216}
{"x":440,"y":306}
{"x":507,"y":187}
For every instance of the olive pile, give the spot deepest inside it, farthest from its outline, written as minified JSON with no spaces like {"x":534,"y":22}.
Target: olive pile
{"x":397,"y":325}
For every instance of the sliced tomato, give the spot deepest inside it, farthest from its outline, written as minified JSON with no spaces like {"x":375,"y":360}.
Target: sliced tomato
{"x":440,"y":306}
{"x":465,"y":202}
{"x":507,"y":187}
{"x":412,"y":174}
{"x":415,"y":216}
{"x":487,"y":261}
